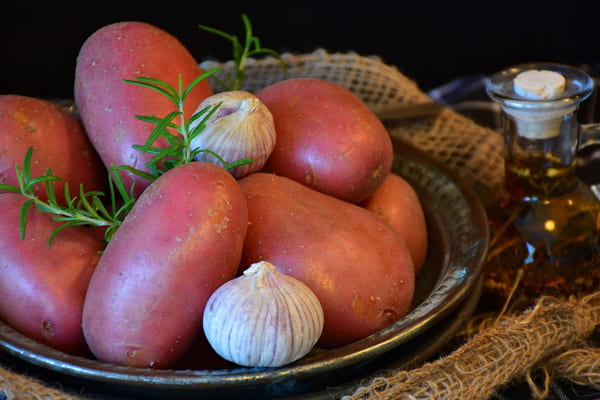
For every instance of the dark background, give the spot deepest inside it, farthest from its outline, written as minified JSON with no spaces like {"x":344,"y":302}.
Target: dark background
{"x":432,"y":42}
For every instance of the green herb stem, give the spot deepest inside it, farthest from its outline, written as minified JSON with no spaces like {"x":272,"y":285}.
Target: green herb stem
{"x":251,"y":47}
{"x":179,"y":150}
{"x":85,"y":209}
{"x":89,"y":208}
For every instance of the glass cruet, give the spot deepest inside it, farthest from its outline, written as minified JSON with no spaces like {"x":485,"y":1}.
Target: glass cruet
{"x":545,"y":229}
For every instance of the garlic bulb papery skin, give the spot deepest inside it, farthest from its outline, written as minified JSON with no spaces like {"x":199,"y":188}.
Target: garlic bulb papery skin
{"x":263,"y":318}
{"x":242,"y":127}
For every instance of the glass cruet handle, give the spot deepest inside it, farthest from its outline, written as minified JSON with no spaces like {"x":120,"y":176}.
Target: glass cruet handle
{"x":590,"y":136}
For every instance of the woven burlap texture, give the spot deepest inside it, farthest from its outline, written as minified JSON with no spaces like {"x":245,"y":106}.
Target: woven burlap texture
{"x":549,"y":336}
{"x":19,"y":387}
{"x":475,"y":153}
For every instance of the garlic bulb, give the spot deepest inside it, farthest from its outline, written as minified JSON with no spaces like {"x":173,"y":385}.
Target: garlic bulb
{"x":242,"y":127}
{"x":263,"y":318}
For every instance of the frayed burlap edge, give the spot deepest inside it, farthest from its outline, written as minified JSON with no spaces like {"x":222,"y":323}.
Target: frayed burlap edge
{"x":551,"y":336}
{"x":15,"y":386}
{"x":580,"y":366}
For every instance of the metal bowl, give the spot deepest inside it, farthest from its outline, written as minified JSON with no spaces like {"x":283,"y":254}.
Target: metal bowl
{"x":446,"y":292}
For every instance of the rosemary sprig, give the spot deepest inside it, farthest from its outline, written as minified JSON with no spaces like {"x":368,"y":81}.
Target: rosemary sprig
{"x":88,"y":208}
{"x":179,"y":149}
{"x":241,"y":53}
{"x":85,"y":209}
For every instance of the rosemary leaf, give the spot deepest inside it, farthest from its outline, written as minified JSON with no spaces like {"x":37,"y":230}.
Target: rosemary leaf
{"x":42,"y":179}
{"x":9,"y":188}
{"x":155,"y":84}
{"x":23,"y":216}
{"x":237,"y":163}
{"x":160,"y":129}
{"x":58,"y":230}
{"x":200,"y":78}
{"x":138,"y":172}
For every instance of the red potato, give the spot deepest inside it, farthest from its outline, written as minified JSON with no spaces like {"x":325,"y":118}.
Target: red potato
{"x":358,"y":266}
{"x":59,"y":142}
{"x":108,"y":105}
{"x":181,"y":240}
{"x":43,"y":288}
{"x":327,"y":138}
{"x":397,"y":203}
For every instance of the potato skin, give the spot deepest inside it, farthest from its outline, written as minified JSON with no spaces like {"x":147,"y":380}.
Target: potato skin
{"x":397,"y":203}
{"x":357,"y":265}
{"x":108,"y":105}
{"x":59,"y":142}
{"x":43,"y":288}
{"x":182,"y":239}
{"x":327,"y":138}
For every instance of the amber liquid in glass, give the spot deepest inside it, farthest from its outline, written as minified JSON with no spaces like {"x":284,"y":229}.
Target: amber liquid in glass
{"x":544,"y":234}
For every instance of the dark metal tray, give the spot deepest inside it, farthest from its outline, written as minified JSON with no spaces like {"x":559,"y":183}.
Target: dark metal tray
{"x":445,"y":296}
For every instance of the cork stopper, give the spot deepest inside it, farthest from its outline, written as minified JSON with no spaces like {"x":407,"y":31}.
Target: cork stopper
{"x":539,"y":85}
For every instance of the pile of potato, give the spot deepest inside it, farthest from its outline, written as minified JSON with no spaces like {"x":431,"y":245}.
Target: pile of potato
{"x":325,"y":209}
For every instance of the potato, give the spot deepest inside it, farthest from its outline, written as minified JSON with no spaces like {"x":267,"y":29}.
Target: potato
{"x":43,"y":288}
{"x":59,"y":142}
{"x":181,"y":240}
{"x":108,"y":105}
{"x":327,"y":138}
{"x":358,"y":266}
{"x":397,"y":203}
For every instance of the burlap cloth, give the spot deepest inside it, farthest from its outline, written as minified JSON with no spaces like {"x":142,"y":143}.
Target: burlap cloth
{"x":551,"y":336}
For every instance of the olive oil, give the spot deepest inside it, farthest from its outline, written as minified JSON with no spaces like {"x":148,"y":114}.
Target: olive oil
{"x":545,"y":232}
